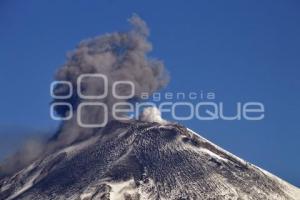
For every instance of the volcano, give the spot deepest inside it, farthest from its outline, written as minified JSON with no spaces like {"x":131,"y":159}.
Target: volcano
{"x":144,"y":160}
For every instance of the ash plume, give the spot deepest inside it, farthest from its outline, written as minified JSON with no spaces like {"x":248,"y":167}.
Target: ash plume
{"x":121,"y":56}
{"x":29,"y":151}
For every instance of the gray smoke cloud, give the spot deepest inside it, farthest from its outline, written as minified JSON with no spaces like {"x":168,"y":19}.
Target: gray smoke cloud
{"x":29,"y":151}
{"x":121,"y":56}
{"x":20,"y":146}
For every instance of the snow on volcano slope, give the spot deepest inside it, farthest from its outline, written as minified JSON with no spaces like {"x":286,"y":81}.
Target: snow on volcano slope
{"x":142,"y":160}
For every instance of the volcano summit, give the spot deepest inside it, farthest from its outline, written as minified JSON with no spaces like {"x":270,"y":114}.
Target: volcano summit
{"x":144,"y":160}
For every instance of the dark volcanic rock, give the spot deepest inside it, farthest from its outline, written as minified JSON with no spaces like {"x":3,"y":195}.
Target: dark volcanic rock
{"x":140,"y":160}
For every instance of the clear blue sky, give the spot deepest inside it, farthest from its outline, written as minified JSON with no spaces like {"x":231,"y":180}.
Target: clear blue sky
{"x":241,"y":50}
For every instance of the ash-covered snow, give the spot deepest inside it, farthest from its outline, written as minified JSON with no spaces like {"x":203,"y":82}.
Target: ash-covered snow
{"x":144,"y":160}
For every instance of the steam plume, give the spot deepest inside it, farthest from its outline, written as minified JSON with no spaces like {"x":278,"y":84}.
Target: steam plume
{"x":152,"y":114}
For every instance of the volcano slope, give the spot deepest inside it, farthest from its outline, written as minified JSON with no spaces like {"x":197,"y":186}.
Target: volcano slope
{"x":142,"y":160}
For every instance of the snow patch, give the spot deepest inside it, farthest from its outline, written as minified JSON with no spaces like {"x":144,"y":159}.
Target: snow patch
{"x":289,"y":189}
{"x":219,"y":148}
{"x":120,"y":189}
{"x":74,"y":149}
{"x":25,"y":187}
{"x":212,"y":154}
